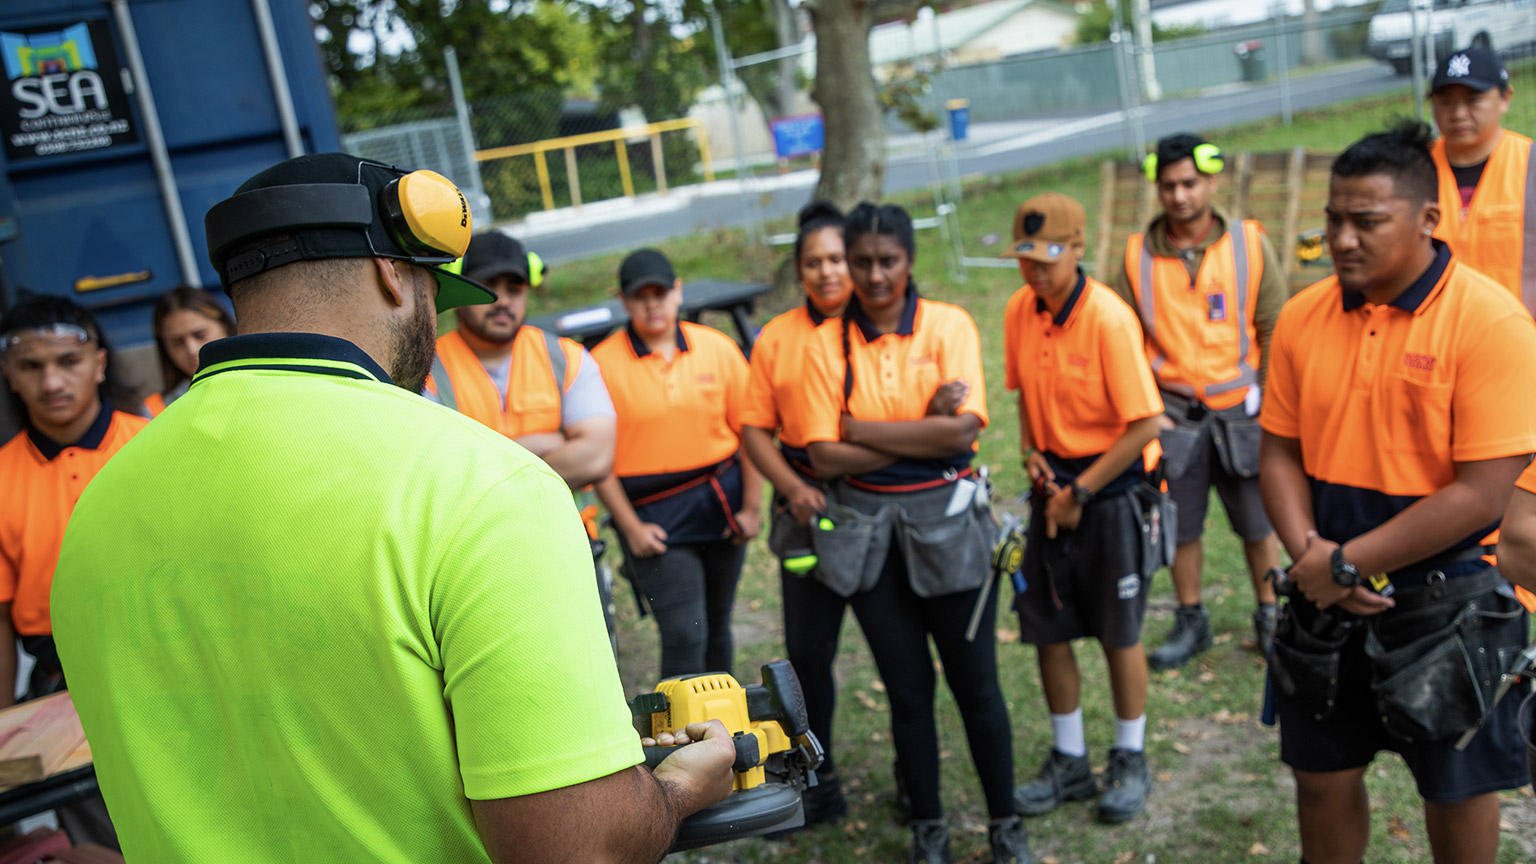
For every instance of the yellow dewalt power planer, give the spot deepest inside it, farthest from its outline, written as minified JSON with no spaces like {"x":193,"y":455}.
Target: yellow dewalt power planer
{"x":776,"y":752}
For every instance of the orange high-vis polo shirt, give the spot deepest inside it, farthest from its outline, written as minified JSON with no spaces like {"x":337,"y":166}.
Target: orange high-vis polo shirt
{"x":532,"y":404}
{"x":1385,"y":399}
{"x":776,"y":392}
{"x":42,"y":481}
{"x":1494,"y":235}
{"x":1200,"y":333}
{"x":894,"y":377}
{"x":1081,"y":373}
{"x":678,"y":415}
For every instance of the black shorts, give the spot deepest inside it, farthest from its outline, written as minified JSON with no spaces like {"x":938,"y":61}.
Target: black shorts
{"x":1191,"y":492}
{"x":1352,"y":735}
{"x":1088,"y":582}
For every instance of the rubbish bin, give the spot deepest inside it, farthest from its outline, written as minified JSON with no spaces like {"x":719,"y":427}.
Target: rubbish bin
{"x":959,"y":118}
{"x":1250,"y":59}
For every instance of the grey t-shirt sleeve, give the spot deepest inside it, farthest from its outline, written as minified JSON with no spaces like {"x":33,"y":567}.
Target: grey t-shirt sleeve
{"x":587,"y":396}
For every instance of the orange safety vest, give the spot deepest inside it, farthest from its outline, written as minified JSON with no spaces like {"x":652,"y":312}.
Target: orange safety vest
{"x":154,"y":403}
{"x":534,"y":390}
{"x":1494,"y":236}
{"x":1200,"y":336}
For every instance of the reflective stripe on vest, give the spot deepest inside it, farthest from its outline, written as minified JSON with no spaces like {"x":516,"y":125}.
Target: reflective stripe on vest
{"x":1146,"y":300}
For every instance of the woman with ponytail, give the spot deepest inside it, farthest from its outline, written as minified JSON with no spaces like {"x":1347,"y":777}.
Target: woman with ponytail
{"x":775,"y":403}
{"x":895,"y":401}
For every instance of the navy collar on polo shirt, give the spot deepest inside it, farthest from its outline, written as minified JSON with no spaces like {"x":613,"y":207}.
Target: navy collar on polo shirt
{"x":637,"y":345}
{"x":1415,"y":294}
{"x":867,"y":327}
{"x":1060,"y":319}
{"x":816,"y":317}
{"x":91,"y":440}
{"x":249,"y":350}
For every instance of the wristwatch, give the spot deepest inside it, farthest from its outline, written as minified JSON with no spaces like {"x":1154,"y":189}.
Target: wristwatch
{"x":1079,"y":494}
{"x":1345,"y":574}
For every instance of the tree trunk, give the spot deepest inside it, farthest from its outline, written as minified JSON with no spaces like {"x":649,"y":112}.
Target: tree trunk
{"x":853,"y":164}
{"x":1312,"y":37}
{"x":787,"y":35}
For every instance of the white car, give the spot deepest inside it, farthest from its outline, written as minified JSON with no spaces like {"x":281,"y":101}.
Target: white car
{"x":1501,"y":25}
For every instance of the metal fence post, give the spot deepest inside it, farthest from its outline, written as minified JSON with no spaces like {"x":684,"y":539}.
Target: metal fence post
{"x":1417,"y":7}
{"x":727,"y":80}
{"x":1282,"y":53}
{"x":575,"y":179}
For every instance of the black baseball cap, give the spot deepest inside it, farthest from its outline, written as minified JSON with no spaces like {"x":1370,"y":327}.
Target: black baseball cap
{"x":495,"y":254}
{"x":645,"y":267}
{"x":333,"y":205}
{"x":1478,"y":68}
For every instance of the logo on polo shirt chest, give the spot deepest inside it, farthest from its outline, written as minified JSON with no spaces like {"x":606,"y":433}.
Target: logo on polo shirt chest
{"x":1077,"y":360}
{"x":1419,"y":362}
{"x":922,"y":360}
{"x":707,"y":378}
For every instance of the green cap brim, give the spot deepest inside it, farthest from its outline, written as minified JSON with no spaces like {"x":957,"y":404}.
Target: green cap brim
{"x":454,"y":290}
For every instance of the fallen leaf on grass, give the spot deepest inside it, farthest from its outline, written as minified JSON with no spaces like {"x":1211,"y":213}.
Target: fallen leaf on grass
{"x":1258,"y":849}
{"x":854,"y":829}
{"x":877,"y":737}
{"x":1206,"y":677}
{"x":1125,"y":857}
{"x":1399,"y":829}
{"x":1164,"y":777}
{"x":1182,"y":748}
{"x":1221,"y":639}
{"x":1252,"y":778}
{"x":867,"y":701}
{"x":877,"y":685}
{"x":1228,"y":718}
{"x":1006,"y":636}
{"x":1178,"y":698}
{"x":1505,"y":826}
{"x":1050,"y":859}
{"x":1527,"y":792}
{"x":1171,"y":674}
{"x":1194,"y":734}
{"x":755,"y":605}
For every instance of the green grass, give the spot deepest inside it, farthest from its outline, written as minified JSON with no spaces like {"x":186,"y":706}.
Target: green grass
{"x":1221,"y":793}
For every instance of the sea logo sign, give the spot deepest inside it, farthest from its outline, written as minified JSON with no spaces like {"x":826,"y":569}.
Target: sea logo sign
{"x":64,"y":91}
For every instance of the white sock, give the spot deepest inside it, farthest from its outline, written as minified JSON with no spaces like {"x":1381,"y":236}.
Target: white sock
{"x":1131,"y":734}
{"x":1068,"y":729}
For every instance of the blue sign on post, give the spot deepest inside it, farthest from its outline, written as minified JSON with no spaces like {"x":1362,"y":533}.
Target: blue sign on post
{"x":800,"y":135}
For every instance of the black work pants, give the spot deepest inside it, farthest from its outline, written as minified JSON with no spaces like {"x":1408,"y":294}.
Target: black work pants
{"x":813,"y":619}
{"x":690,"y":589}
{"x":897,"y":624}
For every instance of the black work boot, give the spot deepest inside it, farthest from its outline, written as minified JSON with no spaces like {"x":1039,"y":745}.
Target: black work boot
{"x":1061,"y":778}
{"x":1126,"y":782}
{"x":930,"y":842}
{"x":1010,"y":845}
{"x":1190,"y":635}
{"x":1264,"y":627}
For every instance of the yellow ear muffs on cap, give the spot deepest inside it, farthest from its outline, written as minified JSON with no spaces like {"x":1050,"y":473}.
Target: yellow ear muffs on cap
{"x":427,"y":215}
{"x":535,"y":270}
{"x":1149,"y":166}
{"x":1208,"y":159}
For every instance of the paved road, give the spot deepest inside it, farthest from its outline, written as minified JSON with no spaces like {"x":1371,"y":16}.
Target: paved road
{"x":613,"y":226}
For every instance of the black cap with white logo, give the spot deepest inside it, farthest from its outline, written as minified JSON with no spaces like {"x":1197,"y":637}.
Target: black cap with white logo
{"x":1478,"y":68}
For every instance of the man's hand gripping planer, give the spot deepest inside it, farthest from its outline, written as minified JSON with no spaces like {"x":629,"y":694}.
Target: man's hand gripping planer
{"x":776,"y":752}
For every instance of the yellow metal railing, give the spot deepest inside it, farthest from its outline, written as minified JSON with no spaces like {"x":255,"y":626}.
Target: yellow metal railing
{"x":619,"y":137}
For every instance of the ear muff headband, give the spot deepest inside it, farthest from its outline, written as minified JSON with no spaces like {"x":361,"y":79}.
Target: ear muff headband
{"x":1208,"y":160}
{"x":427,"y":215}
{"x":536,"y":271}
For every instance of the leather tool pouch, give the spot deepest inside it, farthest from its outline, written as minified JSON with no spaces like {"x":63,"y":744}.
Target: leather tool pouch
{"x":1305,"y":662}
{"x":1434,"y":678}
{"x":1237,"y":436}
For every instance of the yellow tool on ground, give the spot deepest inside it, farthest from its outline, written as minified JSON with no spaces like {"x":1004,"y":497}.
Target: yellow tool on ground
{"x":776,"y":752}
{"x":1309,"y":246}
